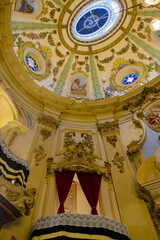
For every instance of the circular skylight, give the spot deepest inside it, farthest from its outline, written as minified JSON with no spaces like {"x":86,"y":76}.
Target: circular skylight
{"x":96,"y":19}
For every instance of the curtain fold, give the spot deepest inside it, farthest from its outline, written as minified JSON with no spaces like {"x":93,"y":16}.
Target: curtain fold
{"x":64,"y":181}
{"x":90,"y":183}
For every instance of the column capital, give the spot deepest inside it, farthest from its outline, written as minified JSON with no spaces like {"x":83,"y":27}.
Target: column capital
{"x":108,"y":127}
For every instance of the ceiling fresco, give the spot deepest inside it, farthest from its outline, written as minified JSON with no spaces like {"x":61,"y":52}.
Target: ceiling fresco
{"x":87,"y":49}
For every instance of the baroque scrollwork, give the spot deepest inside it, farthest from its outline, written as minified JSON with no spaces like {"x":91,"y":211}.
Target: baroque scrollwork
{"x":45,"y":133}
{"x":112,"y":140}
{"x":79,"y":151}
{"x":133,"y":147}
{"x":39,"y":155}
{"x":19,"y":197}
{"x":108,"y":127}
{"x":69,"y":139}
{"x":119,"y":162}
{"x":87,"y":140}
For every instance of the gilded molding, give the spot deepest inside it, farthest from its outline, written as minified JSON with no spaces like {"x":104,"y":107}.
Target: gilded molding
{"x":135,"y":145}
{"x":79,"y":164}
{"x":79,"y":151}
{"x":108,"y":127}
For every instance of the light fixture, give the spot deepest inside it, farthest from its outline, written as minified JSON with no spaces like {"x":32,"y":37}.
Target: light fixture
{"x":150,"y":2}
{"x":155,"y":25}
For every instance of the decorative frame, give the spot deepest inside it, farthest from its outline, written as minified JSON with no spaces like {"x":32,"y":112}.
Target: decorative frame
{"x":121,"y":68}
{"x":42,"y":55}
{"x":152,"y":117}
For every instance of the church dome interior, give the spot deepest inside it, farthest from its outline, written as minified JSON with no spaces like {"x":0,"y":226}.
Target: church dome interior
{"x":80,"y":119}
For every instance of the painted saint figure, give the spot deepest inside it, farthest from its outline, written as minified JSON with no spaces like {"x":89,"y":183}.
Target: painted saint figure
{"x":24,"y":6}
{"x":78,"y":86}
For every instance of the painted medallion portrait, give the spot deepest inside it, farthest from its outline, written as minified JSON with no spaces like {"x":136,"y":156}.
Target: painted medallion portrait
{"x":153,"y":117}
{"x":26,"y":6}
{"x":78,"y":87}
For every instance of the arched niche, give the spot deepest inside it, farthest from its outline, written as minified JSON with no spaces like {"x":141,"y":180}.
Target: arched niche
{"x":148,"y":171}
{"x":8,"y":111}
{"x":78,"y":86}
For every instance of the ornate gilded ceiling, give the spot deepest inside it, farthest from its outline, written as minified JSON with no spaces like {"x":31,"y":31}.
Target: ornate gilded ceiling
{"x":86,"y":50}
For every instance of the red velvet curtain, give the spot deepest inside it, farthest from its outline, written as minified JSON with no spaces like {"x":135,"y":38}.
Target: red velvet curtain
{"x":64,"y":181}
{"x":90,"y":183}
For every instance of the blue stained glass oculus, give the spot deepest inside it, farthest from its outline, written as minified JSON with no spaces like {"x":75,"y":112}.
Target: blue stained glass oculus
{"x":92,"y":21}
{"x":130,"y":78}
{"x":96,"y":19}
{"x":31,"y":63}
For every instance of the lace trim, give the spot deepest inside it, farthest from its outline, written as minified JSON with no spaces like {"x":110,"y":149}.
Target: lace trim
{"x":81,"y":220}
{"x":12,"y":156}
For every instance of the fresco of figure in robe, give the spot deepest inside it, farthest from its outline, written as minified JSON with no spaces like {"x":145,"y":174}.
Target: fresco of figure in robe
{"x":78,"y":87}
{"x":25,"y":6}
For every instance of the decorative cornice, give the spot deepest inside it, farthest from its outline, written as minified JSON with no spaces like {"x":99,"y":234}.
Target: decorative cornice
{"x":48,"y":122}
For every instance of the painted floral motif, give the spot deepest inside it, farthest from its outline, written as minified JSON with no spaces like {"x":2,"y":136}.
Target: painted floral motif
{"x":80,"y":66}
{"x":48,"y":13}
{"x":143,"y":30}
{"x":130,"y":46}
{"x":44,"y":50}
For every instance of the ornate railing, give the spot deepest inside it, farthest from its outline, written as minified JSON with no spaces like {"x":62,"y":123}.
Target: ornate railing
{"x":78,"y":226}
